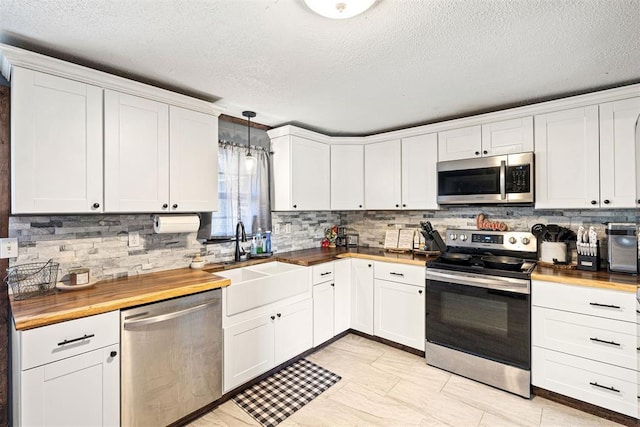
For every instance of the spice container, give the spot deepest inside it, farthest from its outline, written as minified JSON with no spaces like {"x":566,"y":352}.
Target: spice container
{"x":79,"y":276}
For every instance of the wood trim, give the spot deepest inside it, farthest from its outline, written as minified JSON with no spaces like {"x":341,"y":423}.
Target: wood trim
{"x":242,"y":122}
{"x":5,"y":208}
{"x":586,"y":407}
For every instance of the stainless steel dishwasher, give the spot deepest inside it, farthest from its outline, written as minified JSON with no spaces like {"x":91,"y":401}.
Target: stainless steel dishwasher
{"x":171,"y":358}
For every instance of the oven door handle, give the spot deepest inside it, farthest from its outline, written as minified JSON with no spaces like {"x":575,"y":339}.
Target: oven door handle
{"x":503,"y":180}
{"x":507,"y":284}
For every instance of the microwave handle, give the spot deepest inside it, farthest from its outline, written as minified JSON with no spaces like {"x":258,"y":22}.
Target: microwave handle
{"x":503,"y":179}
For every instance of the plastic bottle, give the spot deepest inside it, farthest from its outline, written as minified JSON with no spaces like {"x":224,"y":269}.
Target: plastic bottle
{"x":254,"y":246}
{"x":259,"y":241}
{"x":267,"y":244}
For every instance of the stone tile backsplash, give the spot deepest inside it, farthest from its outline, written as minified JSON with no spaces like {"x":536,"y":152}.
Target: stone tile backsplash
{"x":100,"y":242}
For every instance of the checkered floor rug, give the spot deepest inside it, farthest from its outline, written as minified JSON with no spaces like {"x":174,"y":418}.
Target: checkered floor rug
{"x":276,"y":397}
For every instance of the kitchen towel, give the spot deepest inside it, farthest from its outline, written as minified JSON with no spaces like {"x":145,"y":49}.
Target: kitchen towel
{"x":278,"y":396}
{"x":176,"y":223}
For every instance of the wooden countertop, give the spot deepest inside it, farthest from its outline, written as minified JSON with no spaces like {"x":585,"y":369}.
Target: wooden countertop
{"x":596,"y":279}
{"x":127,"y":292}
{"x":112,"y":295}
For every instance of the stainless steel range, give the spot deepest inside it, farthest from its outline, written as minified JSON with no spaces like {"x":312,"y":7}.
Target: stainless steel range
{"x":478,"y":317}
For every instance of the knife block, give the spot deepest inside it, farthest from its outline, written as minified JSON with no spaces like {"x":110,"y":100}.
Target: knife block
{"x":590,"y":262}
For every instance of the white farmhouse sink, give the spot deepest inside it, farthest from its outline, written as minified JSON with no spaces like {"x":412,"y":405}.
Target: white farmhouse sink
{"x":263,"y":284}
{"x":239,"y":275}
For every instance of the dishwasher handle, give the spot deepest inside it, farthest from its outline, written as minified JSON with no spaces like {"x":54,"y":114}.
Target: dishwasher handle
{"x":129,"y":324}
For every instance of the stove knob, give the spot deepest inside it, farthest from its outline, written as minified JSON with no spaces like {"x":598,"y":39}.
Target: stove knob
{"x":463,"y":237}
{"x":512,"y":240}
{"x":453,"y":236}
{"x":525,"y":240}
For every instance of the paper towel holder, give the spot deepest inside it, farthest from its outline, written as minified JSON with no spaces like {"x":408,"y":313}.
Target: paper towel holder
{"x":187,"y":226}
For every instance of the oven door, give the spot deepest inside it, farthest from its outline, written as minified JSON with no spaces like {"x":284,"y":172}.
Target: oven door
{"x":481,"y":315}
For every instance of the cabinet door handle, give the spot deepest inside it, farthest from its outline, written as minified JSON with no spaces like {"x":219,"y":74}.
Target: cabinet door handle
{"x":420,"y":291}
{"x":325,"y":273}
{"x":369,"y":265}
{"x":85,"y":337}
{"x":333,"y":284}
{"x":279,"y":315}
{"x":295,"y":206}
{"x":593,"y":202}
{"x":397,"y":205}
{"x":113,"y":354}
{"x":175,"y":206}
{"x":273,"y":317}
{"x":396,"y":274}
{"x":477,"y":153}
{"x":96,"y":205}
{"x":605,"y":387}
{"x":604,"y":342}
{"x":361,"y":205}
{"x":404,"y":206}
{"x":606,"y":202}
{"x":485,"y":152}
{"x":165,"y":206}
{"x":595,"y":304}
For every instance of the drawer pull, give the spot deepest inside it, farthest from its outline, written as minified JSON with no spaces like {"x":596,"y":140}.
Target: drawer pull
{"x":604,"y":305}
{"x":324,"y":274}
{"x":604,"y":342}
{"x":76,"y":339}
{"x":397,"y":274}
{"x":605,"y":387}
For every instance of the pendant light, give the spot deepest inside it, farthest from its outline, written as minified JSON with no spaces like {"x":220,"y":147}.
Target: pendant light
{"x":339,"y":9}
{"x":249,"y":161}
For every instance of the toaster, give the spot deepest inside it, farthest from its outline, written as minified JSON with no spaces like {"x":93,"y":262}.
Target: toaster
{"x":623,"y":247}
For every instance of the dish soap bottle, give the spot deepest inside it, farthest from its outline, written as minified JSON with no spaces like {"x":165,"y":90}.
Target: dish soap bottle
{"x":259,"y":241}
{"x":253,"y":246}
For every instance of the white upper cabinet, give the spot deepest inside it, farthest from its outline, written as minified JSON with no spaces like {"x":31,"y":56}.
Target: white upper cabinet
{"x":567,"y":159}
{"x":491,"y":139}
{"x":586,"y":157}
{"x":136,"y":151}
{"x":193,"y":161}
{"x":620,"y":154}
{"x":301,"y":174}
{"x":463,"y":143}
{"x":347,"y":177}
{"x":507,"y":137}
{"x":56,"y":144}
{"x":419,"y":179}
{"x":382,"y":175}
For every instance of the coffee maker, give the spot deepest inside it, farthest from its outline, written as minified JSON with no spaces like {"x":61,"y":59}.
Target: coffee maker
{"x":623,"y":247}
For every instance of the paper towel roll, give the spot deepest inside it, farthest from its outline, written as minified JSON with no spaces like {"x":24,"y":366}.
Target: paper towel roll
{"x":176,"y":223}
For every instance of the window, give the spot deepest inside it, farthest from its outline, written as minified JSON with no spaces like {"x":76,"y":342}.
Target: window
{"x":242,"y":196}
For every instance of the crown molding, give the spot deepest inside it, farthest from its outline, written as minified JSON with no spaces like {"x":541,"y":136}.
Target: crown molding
{"x":11,"y":56}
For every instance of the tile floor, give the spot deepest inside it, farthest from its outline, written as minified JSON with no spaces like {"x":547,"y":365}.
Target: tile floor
{"x":385,"y":386}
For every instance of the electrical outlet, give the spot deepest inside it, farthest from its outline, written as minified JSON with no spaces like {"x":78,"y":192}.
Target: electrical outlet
{"x":134,"y":239}
{"x":276,"y":229}
{"x":287,"y":228}
{"x":9,"y":248}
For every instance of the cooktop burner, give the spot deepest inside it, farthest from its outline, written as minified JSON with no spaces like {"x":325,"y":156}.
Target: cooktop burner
{"x":497,"y":253}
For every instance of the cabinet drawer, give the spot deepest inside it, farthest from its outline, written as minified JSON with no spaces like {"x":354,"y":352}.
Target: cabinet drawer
{"x":595,"y":338}
{"x":322,"y":272}
{"x":597,"y":383}
{"x":608,"y":303}
{"x":409,"y":274}
{"x":55,"y":342}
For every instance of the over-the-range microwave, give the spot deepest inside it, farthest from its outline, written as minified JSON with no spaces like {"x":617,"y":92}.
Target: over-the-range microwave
{"x":487,"y":180}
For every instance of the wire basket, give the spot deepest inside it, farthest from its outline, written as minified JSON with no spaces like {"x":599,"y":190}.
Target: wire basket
{"x":29,"y":280}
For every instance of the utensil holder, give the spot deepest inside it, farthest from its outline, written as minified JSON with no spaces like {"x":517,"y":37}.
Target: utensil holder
{"x":590,"y":262}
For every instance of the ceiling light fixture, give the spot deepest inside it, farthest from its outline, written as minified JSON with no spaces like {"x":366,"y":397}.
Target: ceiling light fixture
{"x":339,"y":9}
{"x":249,"y":161}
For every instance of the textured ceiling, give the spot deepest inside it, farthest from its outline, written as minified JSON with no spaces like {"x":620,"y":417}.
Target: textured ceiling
{"x":403,"y":62}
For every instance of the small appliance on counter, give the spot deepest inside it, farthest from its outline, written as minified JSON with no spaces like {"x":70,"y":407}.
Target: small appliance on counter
{"x":623,"y":247}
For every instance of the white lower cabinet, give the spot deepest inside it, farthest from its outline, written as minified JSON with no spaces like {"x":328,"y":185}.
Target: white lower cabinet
{"x":323,"y":314}
{"x":399,"y":313}
{"x":273,"y":336}
{"x":362,"y":295}
{"x":585,"y":344}
{"x":68,"y":374}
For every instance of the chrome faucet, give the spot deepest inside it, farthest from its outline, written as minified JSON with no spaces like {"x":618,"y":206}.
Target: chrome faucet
{"x":241,"y":236}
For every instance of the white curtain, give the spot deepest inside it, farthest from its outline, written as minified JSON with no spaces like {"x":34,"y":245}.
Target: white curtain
{"x":242,"y":196}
